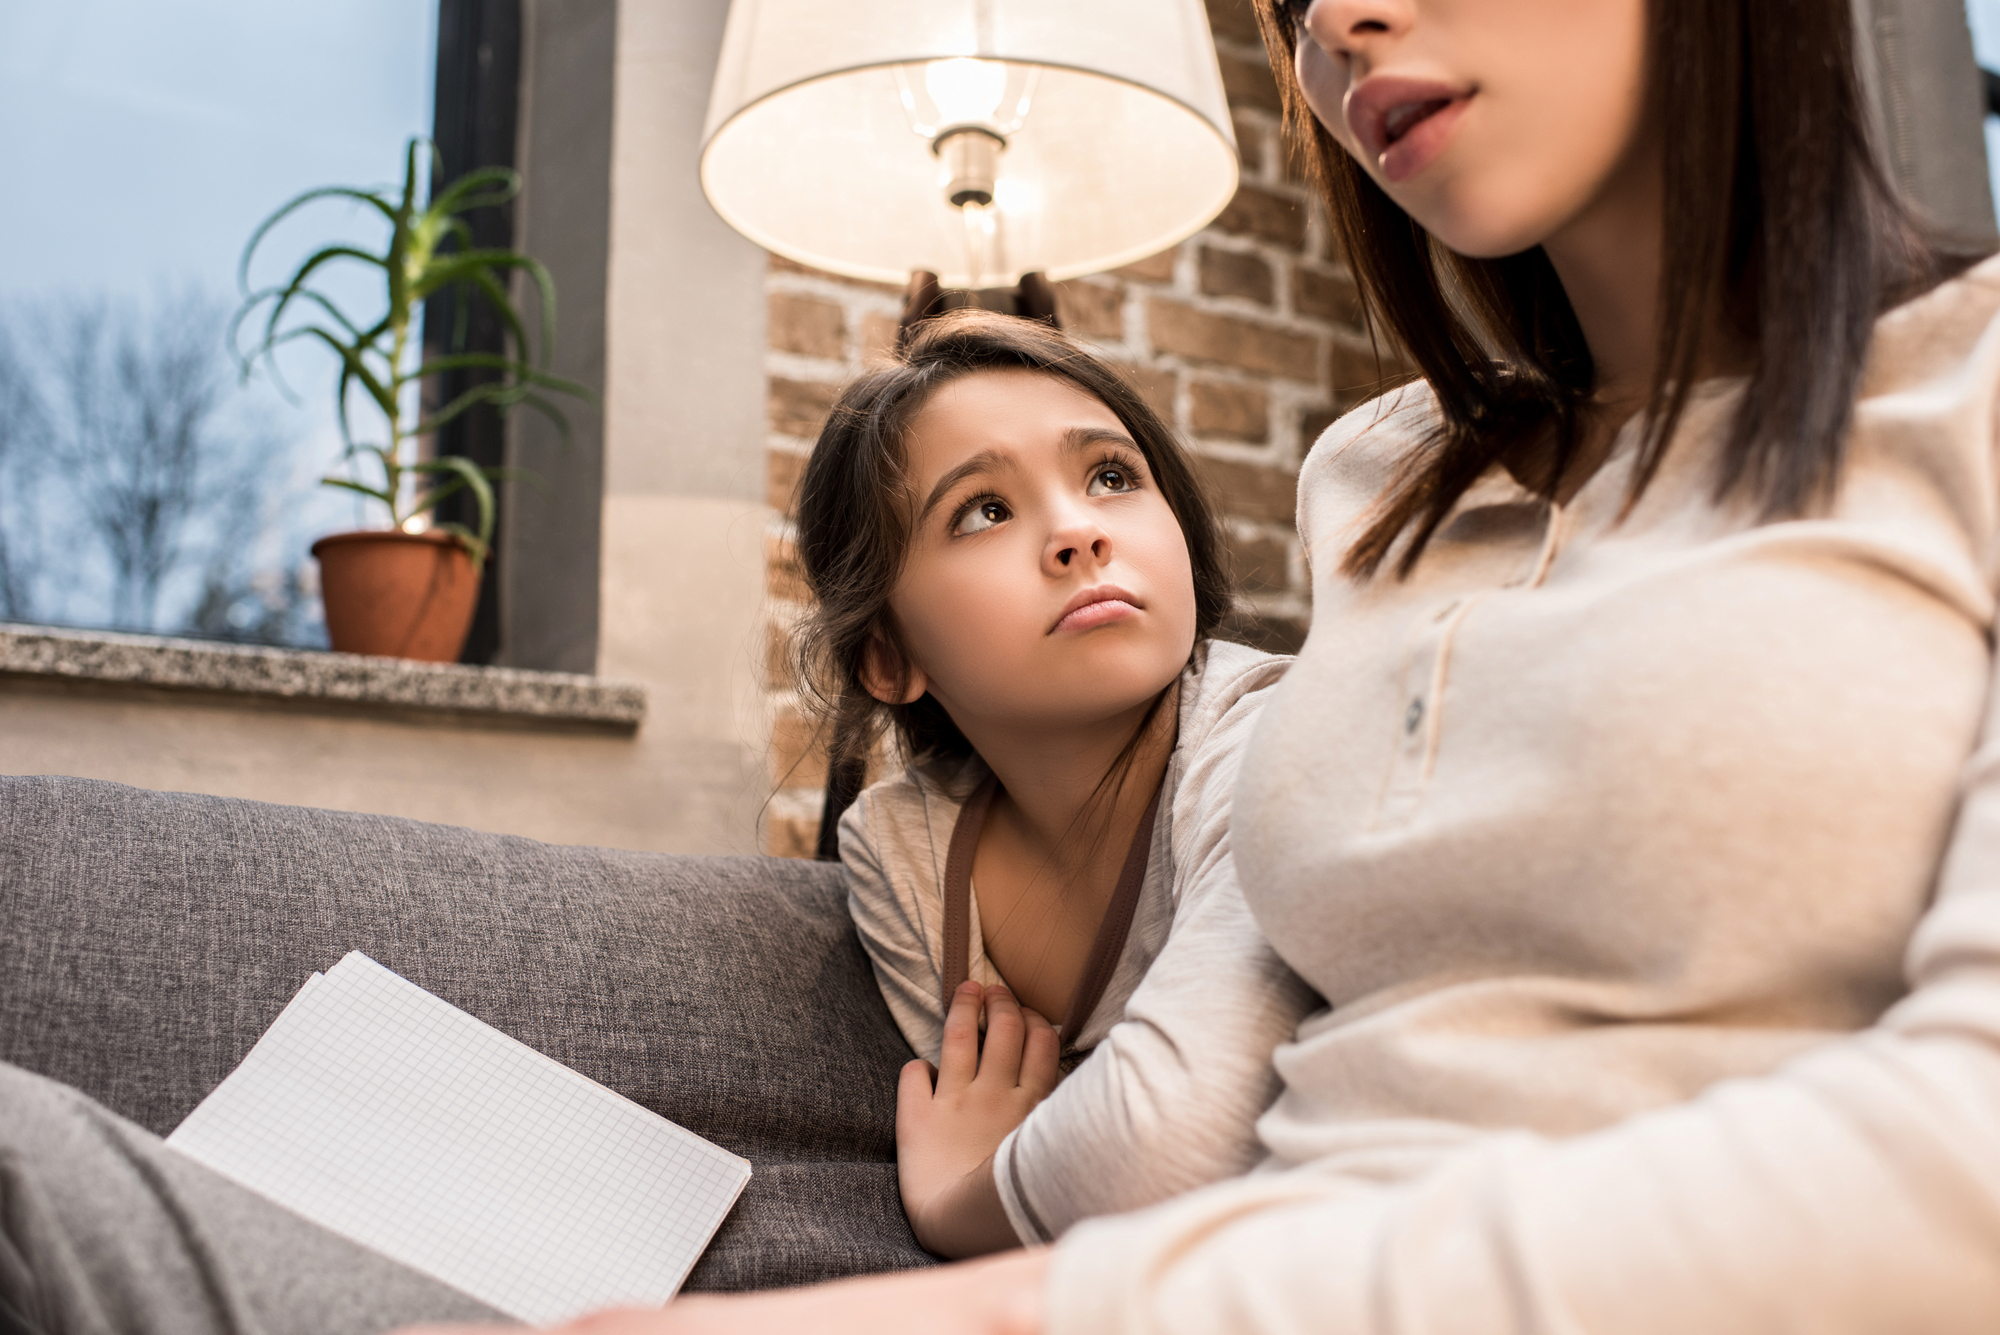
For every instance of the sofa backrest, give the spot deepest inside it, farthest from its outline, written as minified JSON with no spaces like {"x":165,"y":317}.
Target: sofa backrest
{"x":147,"y":939}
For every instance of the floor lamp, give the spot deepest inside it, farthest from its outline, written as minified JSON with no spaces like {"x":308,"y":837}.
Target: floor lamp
{"x":962,"y":147}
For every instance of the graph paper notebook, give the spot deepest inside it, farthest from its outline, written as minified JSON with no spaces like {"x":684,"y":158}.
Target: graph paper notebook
{"x":385,"y":1114}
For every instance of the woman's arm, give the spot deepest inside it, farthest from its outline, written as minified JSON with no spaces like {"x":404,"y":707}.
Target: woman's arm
{"x":1001,"y":1296}
{"x":1855,"y":1189}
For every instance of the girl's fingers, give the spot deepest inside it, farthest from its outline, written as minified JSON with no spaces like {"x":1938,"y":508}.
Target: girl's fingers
{"x":913,"y":1093}
{"x":1041,"y":1056}
{"x":917,"y":1079}
{"x":1000,"y":1063}
{"x":958,"y":1061}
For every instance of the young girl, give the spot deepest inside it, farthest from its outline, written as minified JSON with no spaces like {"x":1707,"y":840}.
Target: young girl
{"x":1016,"y":571}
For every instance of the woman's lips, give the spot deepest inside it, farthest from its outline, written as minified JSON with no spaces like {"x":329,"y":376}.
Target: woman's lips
{"x":1403,"y":124}
{"x":1096,"y":607}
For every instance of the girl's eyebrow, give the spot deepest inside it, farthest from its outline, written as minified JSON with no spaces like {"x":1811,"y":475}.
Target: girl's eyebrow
{"x":1074,"y":441}
{"x":1080,"y":438}
{"x":983,"y":462}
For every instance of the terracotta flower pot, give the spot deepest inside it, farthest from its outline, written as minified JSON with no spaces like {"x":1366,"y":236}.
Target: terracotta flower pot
{"x":401,"y":595}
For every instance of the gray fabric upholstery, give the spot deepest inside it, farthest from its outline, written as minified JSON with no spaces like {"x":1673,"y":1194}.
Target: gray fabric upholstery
{"x":147,"y":939}
{"x":103,"y":1230}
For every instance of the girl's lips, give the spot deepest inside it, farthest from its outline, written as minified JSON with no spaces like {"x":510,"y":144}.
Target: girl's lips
{"x":1403,"y":124}
{"x":1097,"y":606}
{"x":1092,"y":615}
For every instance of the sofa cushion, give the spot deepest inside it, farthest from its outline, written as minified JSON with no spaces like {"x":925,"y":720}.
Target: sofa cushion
{"x":147,"y":939}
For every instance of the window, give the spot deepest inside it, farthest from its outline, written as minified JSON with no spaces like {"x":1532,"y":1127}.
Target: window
{"x":143,"y":485}
{"x":1985,"y":19}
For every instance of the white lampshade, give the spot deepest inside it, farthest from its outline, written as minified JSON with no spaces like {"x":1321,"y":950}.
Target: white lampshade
{"x":822,"y":123}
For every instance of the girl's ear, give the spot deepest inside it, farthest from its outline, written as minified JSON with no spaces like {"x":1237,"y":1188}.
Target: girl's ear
{"x":884,"y":669}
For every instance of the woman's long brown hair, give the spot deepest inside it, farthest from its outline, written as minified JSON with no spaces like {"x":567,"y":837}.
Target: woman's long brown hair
{"x":1780,"y":229}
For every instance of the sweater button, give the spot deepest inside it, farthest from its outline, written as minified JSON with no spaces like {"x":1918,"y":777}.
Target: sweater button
{"x":1413,"y":715}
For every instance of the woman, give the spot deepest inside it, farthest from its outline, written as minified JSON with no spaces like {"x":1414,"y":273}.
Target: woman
{"x":1656,"y":886}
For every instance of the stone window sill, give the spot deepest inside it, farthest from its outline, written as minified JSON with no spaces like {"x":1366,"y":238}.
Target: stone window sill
{"x":145,"y":665}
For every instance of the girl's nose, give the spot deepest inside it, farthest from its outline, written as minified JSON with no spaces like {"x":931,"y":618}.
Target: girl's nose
{"x":1078,"y":538}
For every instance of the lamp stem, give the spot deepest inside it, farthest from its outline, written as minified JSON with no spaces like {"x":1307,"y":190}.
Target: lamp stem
{"x":1033,"y":298}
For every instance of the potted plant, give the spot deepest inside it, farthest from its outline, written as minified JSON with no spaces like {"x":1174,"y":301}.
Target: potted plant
{"x":408,"y":590}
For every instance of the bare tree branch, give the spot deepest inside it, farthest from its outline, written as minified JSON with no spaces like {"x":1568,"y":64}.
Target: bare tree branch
{"x":123,"y":413}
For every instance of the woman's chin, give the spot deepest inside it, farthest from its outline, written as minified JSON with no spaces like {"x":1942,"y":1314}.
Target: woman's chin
{"x":1479,"y":235}
{"x":1478,"y":224}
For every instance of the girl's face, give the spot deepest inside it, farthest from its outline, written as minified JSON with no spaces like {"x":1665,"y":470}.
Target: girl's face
{"x":1494,"y":123}
{"x":1047,"y":582}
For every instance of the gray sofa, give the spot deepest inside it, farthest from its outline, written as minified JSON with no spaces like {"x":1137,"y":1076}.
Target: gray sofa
{"x":147,"y":939}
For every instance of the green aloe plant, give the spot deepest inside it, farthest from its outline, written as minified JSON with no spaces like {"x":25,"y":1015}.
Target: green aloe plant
{"x":429,"y":248}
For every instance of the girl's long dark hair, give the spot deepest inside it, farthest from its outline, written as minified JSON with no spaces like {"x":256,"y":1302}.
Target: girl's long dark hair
{"x":1780,"y":228}
{"x":855,"y":504}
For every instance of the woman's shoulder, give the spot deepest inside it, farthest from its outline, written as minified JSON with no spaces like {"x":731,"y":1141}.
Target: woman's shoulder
{"x":1353,"y":462}
{"x":1939,"y":334}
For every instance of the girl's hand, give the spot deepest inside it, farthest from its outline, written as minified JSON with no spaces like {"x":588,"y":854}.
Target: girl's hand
{"x":947,"y":1130}
{"x":1002,"y":1296}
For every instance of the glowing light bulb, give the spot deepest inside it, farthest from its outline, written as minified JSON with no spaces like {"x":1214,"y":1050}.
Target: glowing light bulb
{"x":966,"y":91}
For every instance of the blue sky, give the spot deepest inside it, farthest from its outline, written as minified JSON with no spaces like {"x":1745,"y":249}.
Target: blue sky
{"x":145,"y":138}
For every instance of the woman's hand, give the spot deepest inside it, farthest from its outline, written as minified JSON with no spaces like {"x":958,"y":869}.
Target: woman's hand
{"x":1002,"y":1296}
{"x":947,"y":1130}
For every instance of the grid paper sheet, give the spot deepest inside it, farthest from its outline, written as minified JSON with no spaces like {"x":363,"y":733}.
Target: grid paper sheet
{"x":379,"y":1111}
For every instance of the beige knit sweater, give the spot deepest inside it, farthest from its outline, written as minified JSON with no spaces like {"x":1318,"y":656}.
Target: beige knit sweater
{"x":1651,"y":870}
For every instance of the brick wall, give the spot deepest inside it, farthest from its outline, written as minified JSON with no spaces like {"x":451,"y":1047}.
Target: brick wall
{"x":1246,"y":337}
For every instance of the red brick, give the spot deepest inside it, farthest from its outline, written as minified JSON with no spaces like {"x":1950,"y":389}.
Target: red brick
{"x":878,"y":337}
{"x":782,"y":469}
{"x":1249,"y":142}
{"x":1251,"y":491}
{"x":1233,"y":273}
{"x":1272,"y":634}
{"x":1155,"y":268}
{"x":1356,"y":374}
{"x":1155,"y":386}
{"x":791,"y":837}
{"x":1248,"y":83}
{"x":798,"y":407}
{"x":1313,"y":423}
{"x":1228,"y":411}
{"x":798,"y":750}
{"x":779,"y":264}
{"x":805,"y":325}
{"x":1234,"y":21}
{"x":779,"y":673}
{"x":1091,"y":310}
{"x":1265,"y":215}
{"x":1326,"y":294}
{"x":1205,"y":336}
{"x":1262,"y":565}
{"x":783,"y":578}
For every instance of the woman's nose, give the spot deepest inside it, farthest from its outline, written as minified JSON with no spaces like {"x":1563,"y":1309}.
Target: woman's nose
{"x":1348,"y":26}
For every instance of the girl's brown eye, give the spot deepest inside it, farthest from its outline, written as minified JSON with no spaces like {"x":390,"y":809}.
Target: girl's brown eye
{"x":981,"y":517}
{"x":1106,"y":481}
